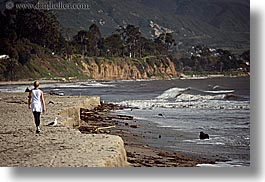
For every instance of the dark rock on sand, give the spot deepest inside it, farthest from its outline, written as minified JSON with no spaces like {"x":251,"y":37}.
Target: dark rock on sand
{"x":27,"y":89}
{"x":203,"y":135}
{"x":232,"y":96}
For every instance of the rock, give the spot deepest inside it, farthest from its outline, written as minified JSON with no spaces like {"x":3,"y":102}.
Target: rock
{"x":134,"y":126}
{"x":27,"y":89}
{"x":203,"y":135}
{"x":159,"y":136}
{"x":232,"y":97}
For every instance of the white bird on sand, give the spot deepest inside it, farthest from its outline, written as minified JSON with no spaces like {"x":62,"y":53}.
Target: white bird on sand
{"x":53,"y":123}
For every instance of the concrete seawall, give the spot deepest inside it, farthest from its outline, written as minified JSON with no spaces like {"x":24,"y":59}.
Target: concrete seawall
{"x":58,"y":146}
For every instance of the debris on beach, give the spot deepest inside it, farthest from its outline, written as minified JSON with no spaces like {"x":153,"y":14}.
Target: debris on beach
{"x":102,"y":121}
{"x":134,"y":126}
{"x":99,"y":120}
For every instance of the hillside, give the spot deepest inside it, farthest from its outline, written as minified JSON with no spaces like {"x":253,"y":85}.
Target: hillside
{"x":215,"y":23}
{"x":53,"y":67}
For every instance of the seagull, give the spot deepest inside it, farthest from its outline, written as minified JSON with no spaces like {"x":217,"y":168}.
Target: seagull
{"x":53,"y":123}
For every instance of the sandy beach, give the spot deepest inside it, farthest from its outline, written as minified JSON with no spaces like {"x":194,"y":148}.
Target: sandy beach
{"x":65,"y":146}
{"x":59,"y":146}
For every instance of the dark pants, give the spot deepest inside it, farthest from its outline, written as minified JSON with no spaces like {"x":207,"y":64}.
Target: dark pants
{"x":36,"y":118}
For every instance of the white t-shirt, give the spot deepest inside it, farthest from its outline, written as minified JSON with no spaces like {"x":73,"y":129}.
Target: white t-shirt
{"x":36,"y":104}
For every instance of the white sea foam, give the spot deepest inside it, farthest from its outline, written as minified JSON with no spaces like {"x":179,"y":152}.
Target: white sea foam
{"x":14,"y":88}
{"x":232,"y":163}
{"x":199,"y":104}
{"x":77,"y":85}
{"x":22,"y":88}
{"x":141,"y":118}
{"x":192,"y":94}
{"x":210,"y":143}
{"x":189,"y":97}
{"x":219,"y":91}
{"x":205,"y":142}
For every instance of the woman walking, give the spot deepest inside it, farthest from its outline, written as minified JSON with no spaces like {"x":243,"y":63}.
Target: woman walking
{"x":37,"y":104}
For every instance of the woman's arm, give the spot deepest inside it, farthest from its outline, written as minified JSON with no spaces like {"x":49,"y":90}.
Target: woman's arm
{"x":43,"y":102}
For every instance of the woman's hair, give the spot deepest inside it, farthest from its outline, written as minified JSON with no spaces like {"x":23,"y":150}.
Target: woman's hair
{"x":36,"y":84}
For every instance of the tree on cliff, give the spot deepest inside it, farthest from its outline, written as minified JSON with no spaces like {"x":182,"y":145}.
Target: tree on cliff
{"x":81,"y":39}
{"x":130,"y":36}
{"x":114,"y":45}
{"x":94,"y":37}
{"x":160,"y":46}
{"x":167,"y":39}
{"x":89,"y":41}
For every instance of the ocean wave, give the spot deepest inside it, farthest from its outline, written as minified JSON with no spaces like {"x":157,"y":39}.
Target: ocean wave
{"x":22,"y":88}
{"x":232,"y":163}
{"x":193,"y":94}
{"x":172,"y":93}
{"x":190,"y":97}
{"x":222,"y":140}
{"x":97,"y":85}
{"x":187,"y":103}
{"x":13,"y":89}
{"x":219,"y":91}
{"x":205,"y":142}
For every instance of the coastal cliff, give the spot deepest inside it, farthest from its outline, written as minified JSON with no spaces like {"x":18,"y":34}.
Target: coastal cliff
{"x":99,"y":68}
{"x":122,"y":68}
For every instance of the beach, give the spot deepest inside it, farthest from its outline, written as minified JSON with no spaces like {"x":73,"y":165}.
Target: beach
{"x":65,"y":146}
{"x":158,"y":121}
{"x":59,"y":146}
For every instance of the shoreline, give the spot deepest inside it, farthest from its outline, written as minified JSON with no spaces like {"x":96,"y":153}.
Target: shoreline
{"x":136,"y":136}
{"x":65,"y":146}
{"x":63,"y":80}
{"x":141,"y":137}
{"x":23,"y":82}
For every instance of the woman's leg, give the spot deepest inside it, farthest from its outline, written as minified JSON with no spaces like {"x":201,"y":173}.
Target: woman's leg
{"x":37,"y":120}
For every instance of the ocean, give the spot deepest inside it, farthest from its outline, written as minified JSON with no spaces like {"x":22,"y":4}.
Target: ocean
{"x":181,"y":109}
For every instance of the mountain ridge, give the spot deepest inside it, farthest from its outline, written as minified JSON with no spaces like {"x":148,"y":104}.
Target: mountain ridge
{"x":214,"y":23}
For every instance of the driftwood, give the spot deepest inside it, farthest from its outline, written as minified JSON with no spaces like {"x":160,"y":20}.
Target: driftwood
{"x":124,"y":117}
{"x":95,"y":129}
{"x":103,"y":128}
{"x":134,"y":126}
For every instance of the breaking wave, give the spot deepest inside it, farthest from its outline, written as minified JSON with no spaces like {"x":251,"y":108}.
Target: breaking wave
{"x":214,"y":98}
{"x":211,"y":104}
{"x":186,"y":94}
